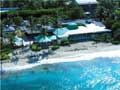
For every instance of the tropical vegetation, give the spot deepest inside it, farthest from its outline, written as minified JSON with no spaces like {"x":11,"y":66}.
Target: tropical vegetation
{"x":108,"y":11}
{"x":35,"y":47}
{"x":52,"y":13}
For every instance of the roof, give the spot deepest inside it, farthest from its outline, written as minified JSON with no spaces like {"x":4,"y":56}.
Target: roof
{"x":60,"y":31}
{"x":82,"y":2}
{"x":53,"y":37}
{"x":41,"y":38}
{"x":83,"y":21}
{"x":89,"y":28}
{"x":9,"y":29}
{"x":17,"y":39}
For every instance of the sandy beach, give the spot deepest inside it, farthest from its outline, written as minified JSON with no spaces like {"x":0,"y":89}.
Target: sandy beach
{"x":75,"y":52}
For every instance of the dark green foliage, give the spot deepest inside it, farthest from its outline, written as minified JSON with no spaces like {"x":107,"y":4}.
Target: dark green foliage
{"x":109,"y":22}
{"x":116,"y":34}
{"x":7,"y":21}
{"x":35,"y":47}
{"x":4,"y":56}
{"x":115,"y":25}
{"x":106,"y":8}
{"x":116,"y":31}
{"x":17,"y":20}
{"x":54,"y":47}
{"x":26,"y":13}
{"x":116,"y":42}
{"x":117,"y":13}
{"x":65,"y":43}
{"x":75,"y":13}
{"x":5,"y":50}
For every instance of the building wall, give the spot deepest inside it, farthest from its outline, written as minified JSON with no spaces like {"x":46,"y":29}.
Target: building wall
{"x":89,"y":7}
{"x":86,"y":37}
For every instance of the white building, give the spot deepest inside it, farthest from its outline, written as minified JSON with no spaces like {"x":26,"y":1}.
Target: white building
{"x":84,"y":2}
{"x":82,"y":33}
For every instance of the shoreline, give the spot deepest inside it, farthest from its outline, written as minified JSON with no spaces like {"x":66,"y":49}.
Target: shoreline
{"x":74,"y":58}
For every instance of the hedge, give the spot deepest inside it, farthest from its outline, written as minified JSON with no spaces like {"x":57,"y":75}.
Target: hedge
{"x":65,"y":43}
{"x":55,"y":47}
{"x":25,"y":13}
{"x":4,"y":56}
{"x":35,"y":47}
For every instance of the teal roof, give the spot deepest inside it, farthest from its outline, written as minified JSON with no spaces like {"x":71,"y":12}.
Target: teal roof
{"x":72,"y":26}
{"x":60,"y":31}
{"x":53,"y":37}
{"x":41,"y":38}
{"x":17,"y":39}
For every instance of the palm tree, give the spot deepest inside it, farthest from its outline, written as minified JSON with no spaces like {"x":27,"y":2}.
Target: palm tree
{"x":17,"y":20}
{"x":44,"y":22}
{"x":32,"y":24}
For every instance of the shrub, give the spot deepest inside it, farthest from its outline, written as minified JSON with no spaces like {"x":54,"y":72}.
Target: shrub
{"x":117,"y":12}
{"x":75,"y":13}
{"x":55,"y":47}
{"x":35,"y":47}
{"x":65,"y":43}
{"x":36,"y":13}
{"x":116,"y":34}
{"x":116,"y":25}
{"x":109,"y":22}
{"x":4,"y":56}
{"x":115,"y":42}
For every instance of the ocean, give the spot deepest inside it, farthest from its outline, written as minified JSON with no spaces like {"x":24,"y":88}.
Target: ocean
{"x":96,"y":74}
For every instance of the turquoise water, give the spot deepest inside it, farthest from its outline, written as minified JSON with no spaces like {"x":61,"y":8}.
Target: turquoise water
{"x":97,"y":74}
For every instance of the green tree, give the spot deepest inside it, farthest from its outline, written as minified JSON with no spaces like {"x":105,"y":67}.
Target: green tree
{"x":44,"y":22}
{"x":31,"y":19}
{"x":17,"y":20}
{"x":75,"y":13}
{"x":117,"y":35}
{"x":105,"y":9}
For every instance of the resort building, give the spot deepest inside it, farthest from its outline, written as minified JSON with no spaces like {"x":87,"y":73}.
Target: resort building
{"x":88,"y":6}
{"x":86,"y":2}
{"x":75,"y":31}
{"x":83,"y":32}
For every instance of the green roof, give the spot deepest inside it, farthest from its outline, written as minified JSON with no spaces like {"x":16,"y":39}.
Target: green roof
{"x":72,"y":26}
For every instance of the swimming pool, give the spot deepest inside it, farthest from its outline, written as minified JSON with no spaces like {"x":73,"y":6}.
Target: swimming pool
{"x":97,"y":74}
